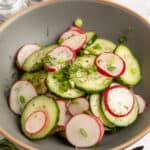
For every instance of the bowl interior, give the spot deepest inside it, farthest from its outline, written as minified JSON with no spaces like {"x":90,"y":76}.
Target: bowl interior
{"x":108,"y":20}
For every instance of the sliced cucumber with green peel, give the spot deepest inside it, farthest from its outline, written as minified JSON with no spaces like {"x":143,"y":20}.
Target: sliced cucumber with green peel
{"x":132,"y":74}
{"x":100,"y":46}
{"x":57,"y":88}
{"x":91,"y":37}
{"x":42,"y":105}
{"x":122,"y":121}
{"x":38,"y":79}
{"x":95,"y":106}
{"x":34,"y":61}
{"x":86,"y":77}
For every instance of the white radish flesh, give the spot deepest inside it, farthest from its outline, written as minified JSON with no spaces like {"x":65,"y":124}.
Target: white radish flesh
{"x":110,"y":64}
{"x":119,"y":100}
{"x":25,"y":52}
{"x":83,"y":131}
{"x":141,"y":103}
{"x":59,"y":57}
{"x":35,"y":122}
{"x":75,"y":42}
{"x":21,"y":92}
{"x":78,"y":105}
{"x":69,"y":34}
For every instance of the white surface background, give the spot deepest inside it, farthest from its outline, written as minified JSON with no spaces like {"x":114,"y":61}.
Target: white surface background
{"x":142,"y":7}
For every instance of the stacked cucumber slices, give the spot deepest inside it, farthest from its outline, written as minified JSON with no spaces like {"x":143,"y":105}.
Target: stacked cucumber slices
{"x":78,"y":88}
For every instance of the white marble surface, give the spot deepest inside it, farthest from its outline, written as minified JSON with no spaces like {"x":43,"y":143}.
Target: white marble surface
{"x":143,"y":8}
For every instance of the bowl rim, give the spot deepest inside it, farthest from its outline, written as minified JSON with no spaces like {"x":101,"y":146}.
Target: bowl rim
{"x":24,"y":11}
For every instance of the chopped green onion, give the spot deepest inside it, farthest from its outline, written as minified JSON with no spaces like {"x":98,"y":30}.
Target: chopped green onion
{"x":22,"y":99}
{"x":60,"y":41}
{"x":96,"y":46}
{"x":78,"y":22}
{"x":74,"y":101}
{"x":83,"y":132}
{"x":111,"y":68}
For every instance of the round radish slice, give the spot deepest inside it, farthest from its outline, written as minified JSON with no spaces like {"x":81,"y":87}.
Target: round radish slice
{"x":141,"y":103}
{"x":59,"y":58}
{"x":75,"y":42}
{"x":35,"y":122}
{"x":64,"y":116}
{"x":68,"y":34}
{"x":21,"y":92}
{"x":78,"y":106}
{"x":25,"y":52}
{"x":83,"y":131}
{"x":118,"y":100}
{"x":110,"y":64}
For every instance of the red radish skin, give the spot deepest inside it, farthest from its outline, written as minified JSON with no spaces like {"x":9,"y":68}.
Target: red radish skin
{"x":141,"y":102}
{"x":75,"y":28}
{"x":80,"y":123}
{"x":50,"y":68}
{"x":107,"y":72}
{"x":81,"y":106}
{"x":14,"y":103}
{"x":24,"y":52}
{"x":38,"y":121}
{"x":76,"y":42}
{"x":53,"y":68}
{"x":106,"y":95}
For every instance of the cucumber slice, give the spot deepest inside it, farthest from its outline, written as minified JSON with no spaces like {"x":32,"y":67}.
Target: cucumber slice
{"x":100,"y":46}
{"x":91,"y":37}
{"x":85,"y":75}
{"x":56,"y":86}
{"x":95,"y":106}
{"x":34,"y":61}
{"x":38,"y":79}
{"x":122,"y":121}
{"x":132,"y":74}
{"x":43,"y":104}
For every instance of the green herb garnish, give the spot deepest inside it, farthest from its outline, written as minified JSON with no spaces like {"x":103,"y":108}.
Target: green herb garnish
{"x":78,"y":22}
{"x":7,"y":145}
{"x":74,"y":101}
{"x":123,"y":39}
{"x":111,"y":68}
{"x":83,"y":132}
{"x":22,"y":99}
{"x":60,"y":41}
{"x":96,"y":46}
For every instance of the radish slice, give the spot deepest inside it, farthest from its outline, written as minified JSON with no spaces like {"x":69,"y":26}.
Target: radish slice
{"x":101,"y":127}
{"x":110,"y":64}
{"x":141,"y":102}
{"x":83,"y":131}
{"x":75,"y":42}
{"x":78,"y":106}
{"x":68,"y":34}
{"x":21,"y":92}
{"x":75,"y":28}
{"x":25,"y":52}
{"x":59,"y":58}
{"x":114,"y":84}
{"x":64,"y":116}
{"x":35,"y":122}
{"x":119,"y":101}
